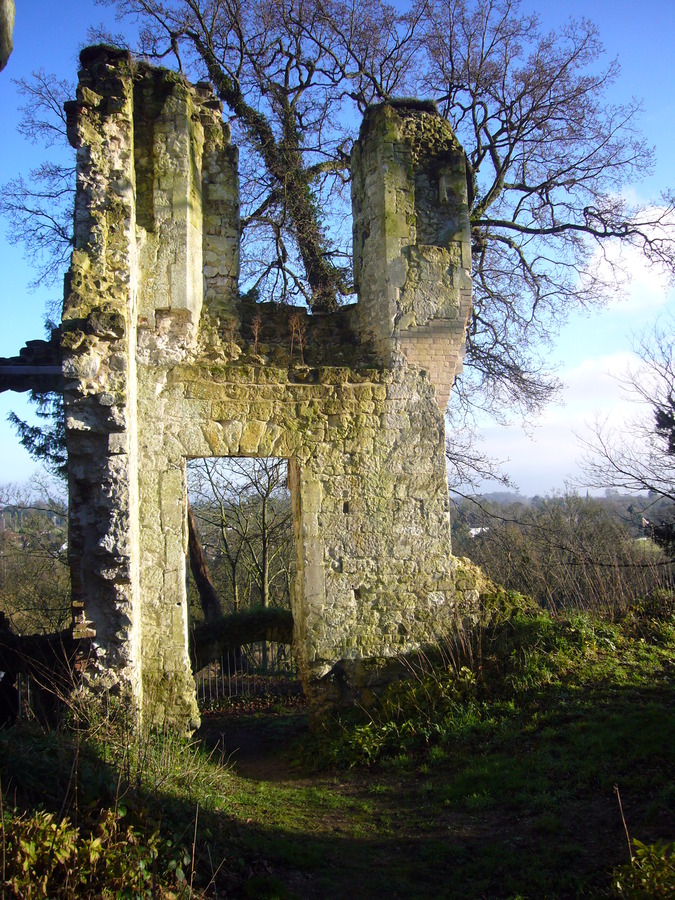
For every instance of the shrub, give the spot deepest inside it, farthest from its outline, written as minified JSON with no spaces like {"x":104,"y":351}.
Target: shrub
{"x":45,"y":857}
{"x":480,"y":679}
{"x":650,"y":874}
{"x":565,"y":552}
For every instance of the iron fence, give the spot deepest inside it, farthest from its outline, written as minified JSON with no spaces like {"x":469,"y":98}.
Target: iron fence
{"x":253,"y":669}
{"x":261,"y":668}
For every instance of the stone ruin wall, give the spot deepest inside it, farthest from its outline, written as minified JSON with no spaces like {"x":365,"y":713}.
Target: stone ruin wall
{"x":6,"y":31}
{"x":158,"y":357}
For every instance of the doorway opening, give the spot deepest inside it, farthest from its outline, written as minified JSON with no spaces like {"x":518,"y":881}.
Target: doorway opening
{"x":242,"y":573}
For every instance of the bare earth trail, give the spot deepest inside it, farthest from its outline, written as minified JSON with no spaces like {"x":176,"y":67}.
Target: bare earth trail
{"x":389,"y":832}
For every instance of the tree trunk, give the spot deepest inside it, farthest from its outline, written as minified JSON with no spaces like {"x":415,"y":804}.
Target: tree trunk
{"x":208,"y":596}
{"x":265,"y":575}
{"x":235,"y":590}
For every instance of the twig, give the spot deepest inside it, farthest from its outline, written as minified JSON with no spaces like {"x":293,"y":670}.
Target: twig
{"x":623,"y":819}
{"x":72,"y":785}
{"x":256,"y":325}
{"x":2,"y":827}
{"x":214,"y":873}
{"x":194,"y":845}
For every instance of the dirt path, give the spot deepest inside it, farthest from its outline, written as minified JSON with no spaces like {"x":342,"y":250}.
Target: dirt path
{"x":255,"y":739}
{"x":391,"y":832}
{"x":312,"y":835}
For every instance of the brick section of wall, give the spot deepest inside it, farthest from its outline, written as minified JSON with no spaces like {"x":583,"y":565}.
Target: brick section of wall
{"x":438,"y":349}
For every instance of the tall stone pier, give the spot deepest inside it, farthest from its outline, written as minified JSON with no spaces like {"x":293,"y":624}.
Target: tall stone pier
{"x":162,"y":365}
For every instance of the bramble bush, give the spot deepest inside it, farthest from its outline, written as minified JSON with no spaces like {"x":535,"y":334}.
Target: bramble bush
{"x":651,"y":873}
{"x":43,"y":856}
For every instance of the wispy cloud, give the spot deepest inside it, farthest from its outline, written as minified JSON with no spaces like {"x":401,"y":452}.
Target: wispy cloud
{"x":640,"y":287}
{"x":543,"y":456}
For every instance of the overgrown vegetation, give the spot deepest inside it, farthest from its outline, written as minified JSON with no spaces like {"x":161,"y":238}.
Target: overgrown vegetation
{"x":534,"y":717}
{"x":492,"y":767}
{"x":566,"y":551}
{"x":45,"y":857}
{"x":516,"y":665}
{"x":100,"y":809}
{"x":651,"y":871}
{"x":495,"y":768}
{"x":34,"y":574}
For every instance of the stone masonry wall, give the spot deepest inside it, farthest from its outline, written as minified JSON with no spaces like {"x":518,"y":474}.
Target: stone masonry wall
{"x":99,"y":367}
{"x":162,"y":366}
{"x":412,"y":255}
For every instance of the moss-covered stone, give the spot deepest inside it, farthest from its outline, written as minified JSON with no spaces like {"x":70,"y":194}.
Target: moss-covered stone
{"x":165,"y":362}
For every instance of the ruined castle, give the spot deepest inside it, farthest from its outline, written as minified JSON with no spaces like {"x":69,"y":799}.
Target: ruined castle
{"x":160,"y":364}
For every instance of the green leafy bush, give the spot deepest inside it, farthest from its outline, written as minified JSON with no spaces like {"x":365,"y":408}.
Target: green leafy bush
{"x":651,"y":873}
{"x":486,"y":675}
{"x":45,"y":857}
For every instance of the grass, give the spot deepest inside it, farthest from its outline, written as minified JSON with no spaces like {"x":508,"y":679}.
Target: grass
{"x":490,"y":772}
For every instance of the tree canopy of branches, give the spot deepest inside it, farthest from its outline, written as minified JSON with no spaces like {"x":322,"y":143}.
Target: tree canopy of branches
{"x":242,"y":509}
{"x":640,"y":455}
{"x":547,"y":157}
{"x":39,"y":208}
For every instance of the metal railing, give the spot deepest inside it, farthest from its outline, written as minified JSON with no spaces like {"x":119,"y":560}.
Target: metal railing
{"x":253,"y":669}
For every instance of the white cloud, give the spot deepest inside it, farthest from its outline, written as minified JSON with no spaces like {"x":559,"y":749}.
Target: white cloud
{"x":544,"y":457}
{"x":641,"y":286}
{"x":596,"y":386}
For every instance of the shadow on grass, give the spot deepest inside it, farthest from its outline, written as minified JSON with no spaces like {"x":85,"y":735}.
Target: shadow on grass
{"x":524,"y":807}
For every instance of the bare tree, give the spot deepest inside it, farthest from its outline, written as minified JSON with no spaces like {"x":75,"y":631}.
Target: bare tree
{"x":39,"y":208}
{"x":210,"y":600}
{"x":243,"y":508}
{"x":547,"y":157}
{"x":269,"y":540}
{"x":639,"y":455}
{"x":287,"y":73}
{"x":215,"y":497}
{"x":468,"y":465}
{"x":34,"y":577}
{"x":564,"y":551}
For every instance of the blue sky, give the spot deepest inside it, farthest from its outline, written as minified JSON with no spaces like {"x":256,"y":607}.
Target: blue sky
{"x":49,"y":35}
{"x":594,"y":351}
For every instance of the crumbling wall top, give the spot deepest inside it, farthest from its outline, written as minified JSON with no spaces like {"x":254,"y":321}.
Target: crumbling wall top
{"x":411,"y":234}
